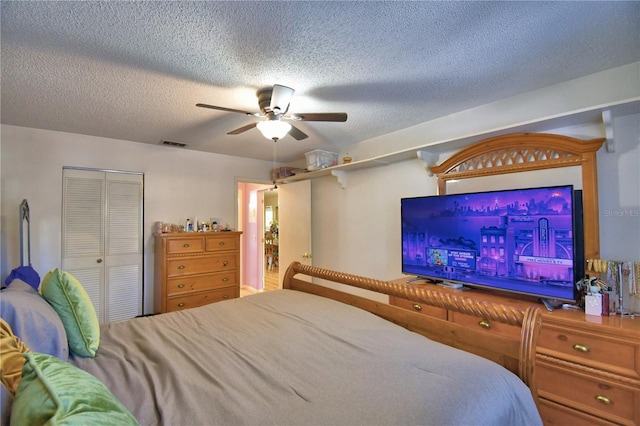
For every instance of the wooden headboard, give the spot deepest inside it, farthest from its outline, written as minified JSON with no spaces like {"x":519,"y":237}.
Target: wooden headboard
{"x":522,"y":152}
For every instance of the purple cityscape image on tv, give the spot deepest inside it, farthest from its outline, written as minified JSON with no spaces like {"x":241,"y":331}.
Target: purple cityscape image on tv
{"x":518,"y":240}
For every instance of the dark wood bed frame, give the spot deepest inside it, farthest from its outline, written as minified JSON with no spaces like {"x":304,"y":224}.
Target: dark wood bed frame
{"x":504,"y":351}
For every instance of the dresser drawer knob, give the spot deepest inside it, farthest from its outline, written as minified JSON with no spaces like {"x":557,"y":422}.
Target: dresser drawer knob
{"x":484,"y":324}
{"x":221,"y":243}
{"x":226,"y":296}
{"x":181,"y":267}
{"x":225,"y":279}
{"x":180,"y":285}
{"x":225,"y":263}
{"x":603,"y":399}
{"x":185,"y":245}
{"x":581,"y":348}
{"x":417,"y":307}
{"x":181,"y":305}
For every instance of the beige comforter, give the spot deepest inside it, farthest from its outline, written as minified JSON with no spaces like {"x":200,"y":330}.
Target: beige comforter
{"x":288,"y":358}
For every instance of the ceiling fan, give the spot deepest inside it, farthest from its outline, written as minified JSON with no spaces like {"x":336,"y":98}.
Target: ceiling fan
{"x":274,"y":105}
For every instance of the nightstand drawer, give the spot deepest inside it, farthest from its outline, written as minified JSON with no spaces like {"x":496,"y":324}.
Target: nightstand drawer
{"x":218,"y":243}
{"x":598,"y":396}
{"x":201,"y":299}
{"x":591,"y":349}
{"x":201,"y":282}
{"x":181,"y":266}
{"x":496,"y":327}
{"x":422,"y":308}
{"x":185,"y":245}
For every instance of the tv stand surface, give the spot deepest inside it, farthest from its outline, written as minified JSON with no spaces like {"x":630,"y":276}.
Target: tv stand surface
{"x":587,"y":367}
{"x":550,"y":304}
{"x":426,"y":279}
{"x":448,"y":284}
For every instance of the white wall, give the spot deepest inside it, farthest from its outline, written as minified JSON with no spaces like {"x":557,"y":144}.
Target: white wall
{"x":610,"y":87}
{"x":178,"y":184}
{"x":619,"y":192}
{"x":357,"y":229}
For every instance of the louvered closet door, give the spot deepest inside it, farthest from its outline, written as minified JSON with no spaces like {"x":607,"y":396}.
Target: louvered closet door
{"x":102,"y":239}
{"x":83,"y":201}
{"x":123,"y":246}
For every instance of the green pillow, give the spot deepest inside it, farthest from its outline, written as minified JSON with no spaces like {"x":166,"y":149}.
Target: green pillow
{"x":70,"y":300}
{"x":58,"y":393}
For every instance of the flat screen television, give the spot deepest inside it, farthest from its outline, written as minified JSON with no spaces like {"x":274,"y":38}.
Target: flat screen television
{"x":528,"y":241}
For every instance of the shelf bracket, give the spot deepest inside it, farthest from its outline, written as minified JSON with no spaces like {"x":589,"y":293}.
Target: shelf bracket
{"x":341,"y":175}
{"x":428,"y":158}
{"x":607,"y":120}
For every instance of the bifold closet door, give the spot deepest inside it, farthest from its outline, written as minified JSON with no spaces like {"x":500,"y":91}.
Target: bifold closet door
{"x":102,"y":240}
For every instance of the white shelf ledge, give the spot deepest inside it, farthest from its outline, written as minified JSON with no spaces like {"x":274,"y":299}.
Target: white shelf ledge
{"x":428,"y":153}
{"x":339,"y":171}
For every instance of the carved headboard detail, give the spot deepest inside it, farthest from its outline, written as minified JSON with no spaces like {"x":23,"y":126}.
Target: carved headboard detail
{"x":521,"y":152}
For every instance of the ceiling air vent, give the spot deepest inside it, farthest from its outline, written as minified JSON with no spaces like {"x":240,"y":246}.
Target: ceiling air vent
{"x":177,"y":144}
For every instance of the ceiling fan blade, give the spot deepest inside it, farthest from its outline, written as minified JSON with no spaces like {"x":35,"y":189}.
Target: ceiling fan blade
{"x":297,"y":134}
{"x":280,"y":98}
{"x":242,"y":129}
{"x":225,"y":109}
{"x":327,"y":116}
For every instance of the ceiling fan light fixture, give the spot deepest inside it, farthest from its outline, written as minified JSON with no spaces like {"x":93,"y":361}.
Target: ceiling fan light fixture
{"x":274,"y":105}
{"x":274,"y":129}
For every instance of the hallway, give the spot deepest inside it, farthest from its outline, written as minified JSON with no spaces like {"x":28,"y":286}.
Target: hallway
{"x":271,"y":279}
{"x":270,"y":283}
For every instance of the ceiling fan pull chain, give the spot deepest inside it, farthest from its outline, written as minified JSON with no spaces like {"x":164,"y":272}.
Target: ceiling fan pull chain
{"x":273,"y":172}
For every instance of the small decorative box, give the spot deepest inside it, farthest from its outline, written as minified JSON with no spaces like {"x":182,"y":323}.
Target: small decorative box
{"x":593,"y":304}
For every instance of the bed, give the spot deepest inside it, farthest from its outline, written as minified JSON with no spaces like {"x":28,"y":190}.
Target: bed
{"x":309,"y":354}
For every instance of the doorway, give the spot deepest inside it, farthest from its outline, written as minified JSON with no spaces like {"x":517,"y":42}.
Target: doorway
{"x":294,"y":229}
{"x":271,"y":259}
{"x":253,"y":223}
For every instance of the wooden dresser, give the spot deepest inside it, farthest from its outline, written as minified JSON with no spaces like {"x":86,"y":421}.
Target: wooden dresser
{"x":195,"y":268}
{"x":587,"y":369}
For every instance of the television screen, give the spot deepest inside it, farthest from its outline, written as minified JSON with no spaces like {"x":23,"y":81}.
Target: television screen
{"x":521,"y":240}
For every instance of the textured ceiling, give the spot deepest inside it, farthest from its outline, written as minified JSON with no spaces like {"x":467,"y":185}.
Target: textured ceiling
{"x":135,"y":70}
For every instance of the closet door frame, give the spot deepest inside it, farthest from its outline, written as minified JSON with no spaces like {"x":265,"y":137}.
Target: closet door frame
{"x":105,"y":252}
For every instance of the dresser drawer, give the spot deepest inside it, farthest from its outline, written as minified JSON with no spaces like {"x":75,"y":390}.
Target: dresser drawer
{"x":200,"y":299}
{"x":496,"y":327}
{"x":201,"y":264}
{"x":603,"y":398}
{"x":423,"y":308}
{"x":190,"y":284}
{"x":558,"y":415}
{"x":185,"y":245}
{"x":589,"y":349}
{"x":230,"y":242}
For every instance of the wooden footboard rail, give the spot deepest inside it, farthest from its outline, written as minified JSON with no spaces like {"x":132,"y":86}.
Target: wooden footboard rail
{"x":517,"y":356}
